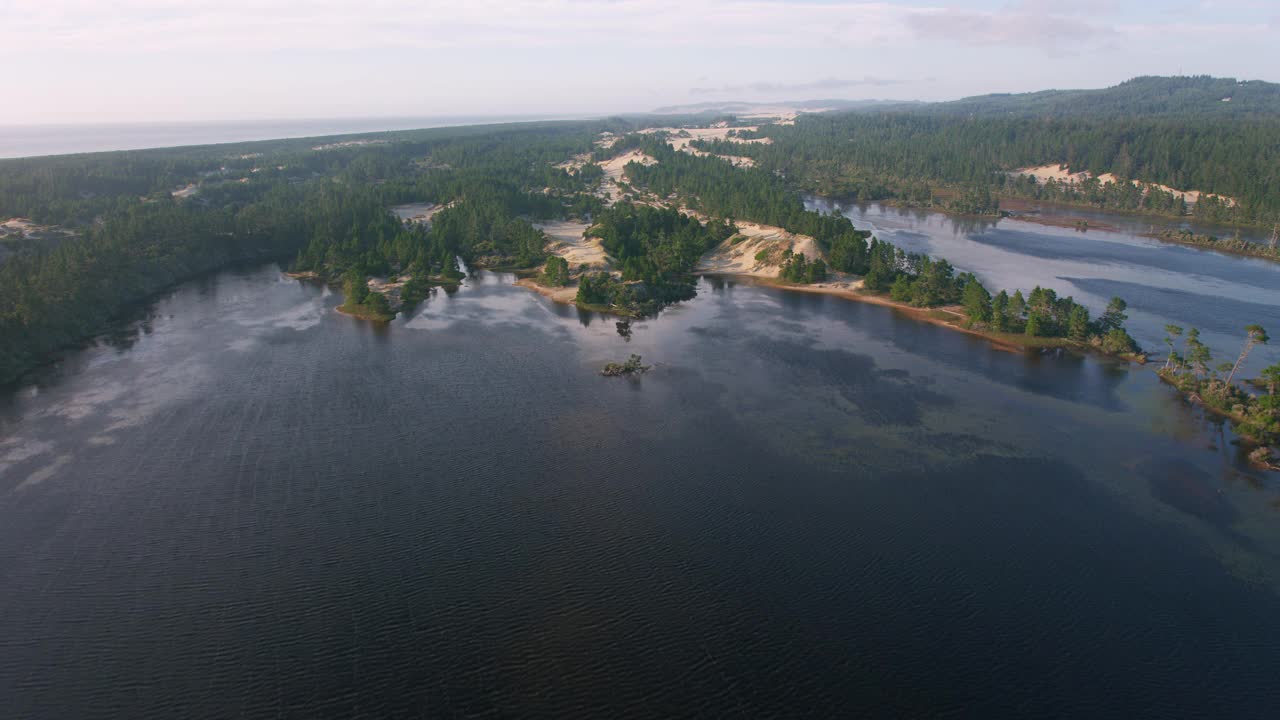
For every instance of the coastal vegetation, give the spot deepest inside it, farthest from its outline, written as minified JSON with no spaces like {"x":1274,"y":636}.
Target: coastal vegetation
{"x":362,"y":302}
{"x":1233,"y":245}
{"x":656,"y":249}
{"x":631,"y":366}
{"x":1189,"y":367}
{"x":130,"y":234}
{"x":555,"y":273}
{"x":325,"y":208}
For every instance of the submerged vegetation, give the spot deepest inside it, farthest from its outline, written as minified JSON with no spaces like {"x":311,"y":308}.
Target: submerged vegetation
{"x":1233,"y":245}
{"x":632,"y":366}
{"x":1192,"y":371}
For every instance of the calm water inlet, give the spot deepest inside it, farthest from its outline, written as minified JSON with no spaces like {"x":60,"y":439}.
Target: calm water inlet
{"x":244,"y":504}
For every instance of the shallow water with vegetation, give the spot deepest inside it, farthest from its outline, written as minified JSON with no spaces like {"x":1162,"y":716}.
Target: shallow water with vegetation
{"x":246,"y":504}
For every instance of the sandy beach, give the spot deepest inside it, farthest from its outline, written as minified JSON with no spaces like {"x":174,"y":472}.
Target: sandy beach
{"x":564,"y":295}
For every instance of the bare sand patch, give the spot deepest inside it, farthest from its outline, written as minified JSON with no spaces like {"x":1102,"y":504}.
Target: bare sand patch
{"x":563,"y":295}
{"x":24,"y":229}
{"x":1062,"y":174}
{"x":615,"y":169}
{"x":417,"y":212}
{"x":568,"y":240}
{"x":741,"y":258}
{"x":575,"y":162}
{"x":681,"y":137}
{"x":347,"y":144}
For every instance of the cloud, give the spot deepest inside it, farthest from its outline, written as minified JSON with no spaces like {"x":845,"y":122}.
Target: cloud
{"x":230,"y":25}
{"x":798,"y":87}
{"x":1035,"y":23}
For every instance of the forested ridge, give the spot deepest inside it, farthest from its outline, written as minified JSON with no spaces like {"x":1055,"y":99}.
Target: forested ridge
{"x":1169,"y":131}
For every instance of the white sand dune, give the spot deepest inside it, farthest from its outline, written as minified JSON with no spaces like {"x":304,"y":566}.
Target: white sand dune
{"x":614,"y":171}
{"x":567,"y":239}
{"x":740,"y":259}
{"x":1061,"y":173}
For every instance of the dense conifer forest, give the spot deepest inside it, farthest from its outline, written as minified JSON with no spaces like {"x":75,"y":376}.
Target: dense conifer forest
{"x":1216,"y":136}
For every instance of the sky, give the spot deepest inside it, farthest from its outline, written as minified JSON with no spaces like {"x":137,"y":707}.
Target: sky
{"x":95,"y":61}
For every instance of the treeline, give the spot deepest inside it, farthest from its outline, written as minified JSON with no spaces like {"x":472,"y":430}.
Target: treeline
{"x":1233,"y":245}
{"x":273,"y":199}
{"x":920,"y":156}
{"x":656,"y":249}
{"x":54,"y":299}
{"x":715,"y":187}
{"x":1190,"y":367}
{"x":925,"y":282}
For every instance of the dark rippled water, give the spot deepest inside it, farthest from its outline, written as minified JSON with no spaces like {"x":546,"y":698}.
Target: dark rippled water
{"x":251,"y":506}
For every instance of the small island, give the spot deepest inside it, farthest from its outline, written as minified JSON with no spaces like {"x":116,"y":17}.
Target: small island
{"x":632,"y":366}
{"x":364,"y":303}
{"x":1233,"y":245}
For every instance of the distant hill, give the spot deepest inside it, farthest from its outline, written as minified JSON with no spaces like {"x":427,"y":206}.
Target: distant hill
{"x":1140,"y":97}
{"x":1148,"y":96}
{"x":728,"y":107}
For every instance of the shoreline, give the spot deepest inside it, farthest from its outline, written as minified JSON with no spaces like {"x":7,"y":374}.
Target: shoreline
{"x":939,"y":316}
{"x":362,"y":316}
{"x":1006,"y":342}
{"x":1071,"y":223}
{"x":568,"y":295}
{"x":1243,"y":439}
{"x":1262,"y":253}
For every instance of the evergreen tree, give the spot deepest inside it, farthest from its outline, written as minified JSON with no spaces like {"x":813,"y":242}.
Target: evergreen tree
{"x":1000,"y":312}
{"x":977,"y":302}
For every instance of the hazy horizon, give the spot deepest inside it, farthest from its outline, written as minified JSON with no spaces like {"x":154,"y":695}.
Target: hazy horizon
{"x":207,"y":61}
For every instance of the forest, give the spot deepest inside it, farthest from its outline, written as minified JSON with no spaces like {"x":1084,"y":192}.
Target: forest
{"x":323,"y":210}
{"x":656,"y":249}
{"x":1176,"y":132}
{"x":139,"y":221}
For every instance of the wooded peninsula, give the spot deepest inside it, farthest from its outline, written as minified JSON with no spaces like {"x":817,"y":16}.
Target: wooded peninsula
{"x":653,"y":202}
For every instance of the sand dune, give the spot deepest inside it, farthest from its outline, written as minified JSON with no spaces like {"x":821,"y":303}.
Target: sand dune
{"x":740,"y":259}
{"x":614,"y":170}
{"x":567,"y":239}
{"x":681,"y":137}
{"x":1059,"y":173}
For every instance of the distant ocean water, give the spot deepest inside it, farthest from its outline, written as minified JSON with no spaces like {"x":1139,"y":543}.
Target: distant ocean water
{"x":36,"y":140}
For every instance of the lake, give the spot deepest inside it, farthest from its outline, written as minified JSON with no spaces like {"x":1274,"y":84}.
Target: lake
{"x":243,"y":504}
{"x":1162,"y":282}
